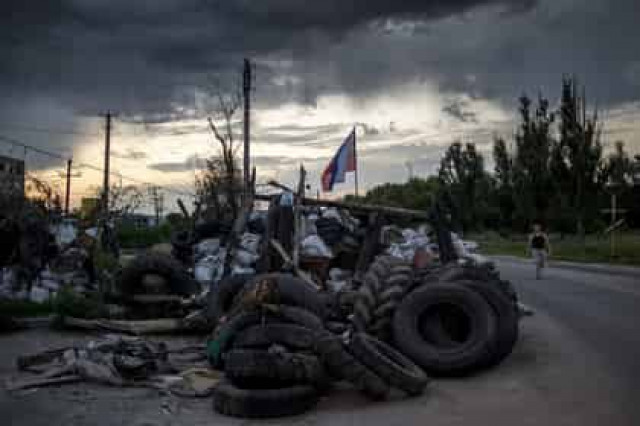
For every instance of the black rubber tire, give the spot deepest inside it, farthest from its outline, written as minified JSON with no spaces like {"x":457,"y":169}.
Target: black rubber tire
{"x":259,"y":369}
{"x":292,"y":291}
{"x":180,"y":282}
{"x":361,"y":316}
{"x":453,"y":273}
{"x":507,"y":322}
{"x":222,"y":293}
{"x":227,"y":332}
{"x":263,"y":403}
{"x":367,"y":295}
{"x":384,"y":312}
{"x":391,"y":293}
{"x":384,"y":284}
{"x":389,"y":364}
{"x":292,"y":336}
{"x":344,"y":366}
{"x":336,"y":327}
{"x":436,"y":358}
{"x":300,"y":316}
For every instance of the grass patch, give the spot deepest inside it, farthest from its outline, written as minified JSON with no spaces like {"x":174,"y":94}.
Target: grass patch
{"x":596,"y":249}
{"x":25,"y":308}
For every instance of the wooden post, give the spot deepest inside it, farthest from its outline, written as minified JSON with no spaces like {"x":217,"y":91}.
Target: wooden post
{"x":247,"y":119}
{"x":370,"y":243}
{"x":107,"y":155}
{"x":68,"y":191}
{"x":297,"y":217}
{"x":240,"y":224}
{"x":613,"y":221}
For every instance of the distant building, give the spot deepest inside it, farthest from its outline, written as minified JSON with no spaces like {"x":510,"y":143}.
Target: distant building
{"x":11,"y":175}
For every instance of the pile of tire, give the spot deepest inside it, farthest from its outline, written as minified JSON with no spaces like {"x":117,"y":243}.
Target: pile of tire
{"x":456,"y":320}
{"x":154,"y":273}
{"x":279,"y":356}
{"x":382,"y":288}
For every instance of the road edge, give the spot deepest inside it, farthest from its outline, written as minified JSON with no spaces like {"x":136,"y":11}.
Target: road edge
{"x":598,"y":268}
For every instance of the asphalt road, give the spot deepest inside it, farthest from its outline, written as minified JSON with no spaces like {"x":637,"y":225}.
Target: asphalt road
{"x":600,"y":310}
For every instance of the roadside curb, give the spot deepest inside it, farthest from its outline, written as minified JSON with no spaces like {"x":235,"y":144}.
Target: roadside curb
{"x":597,"y":268}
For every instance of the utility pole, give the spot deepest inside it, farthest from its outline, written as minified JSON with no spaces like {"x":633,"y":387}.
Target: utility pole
{"x":246,"y":92}
{"x":158,"y":203}
{"x":107,"y":154}
{"x":68,"y":192}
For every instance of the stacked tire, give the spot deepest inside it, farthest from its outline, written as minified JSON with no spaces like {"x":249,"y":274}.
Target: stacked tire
{"x":383,"y":287}
{"x":278,"y":358}
{"x":457,"y":321}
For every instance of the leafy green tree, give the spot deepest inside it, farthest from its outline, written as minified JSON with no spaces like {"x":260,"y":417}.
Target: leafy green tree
{"x":462,"y":174}
{"x":503,"y":180}
{"x":531,"y":178}
{"x":415,"y":194}
{"x":579,"y":170}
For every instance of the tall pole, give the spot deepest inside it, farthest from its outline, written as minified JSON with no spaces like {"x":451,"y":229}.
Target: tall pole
{"x":614,"y":205}
{"x":246,"y":91}
{"x":68,"y":192}
{"x":107,"y":154}
{"x":355,"y":156}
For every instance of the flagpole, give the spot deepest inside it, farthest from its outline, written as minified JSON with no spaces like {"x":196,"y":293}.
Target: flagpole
{"x":355,"y":156}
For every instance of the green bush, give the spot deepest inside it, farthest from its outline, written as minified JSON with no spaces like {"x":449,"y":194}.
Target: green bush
{"x":132,"y":237}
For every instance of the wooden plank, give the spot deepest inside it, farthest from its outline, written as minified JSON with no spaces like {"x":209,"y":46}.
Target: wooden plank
{"x":364,"y":208}
{"x":370,"y":243}
{"x":289,"y":263}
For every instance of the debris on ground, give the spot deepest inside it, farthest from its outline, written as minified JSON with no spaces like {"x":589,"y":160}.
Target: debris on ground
{"x":293,"y":299}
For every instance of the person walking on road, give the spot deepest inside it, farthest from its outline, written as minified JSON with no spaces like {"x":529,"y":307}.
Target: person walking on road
{"x":539,"y":248}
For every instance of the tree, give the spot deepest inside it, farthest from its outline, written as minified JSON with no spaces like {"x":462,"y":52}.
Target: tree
{"x":220,"y":185}
{"x":578,"y":165}
{"x":531,"y":173}
{"x":462,"y":174}
{"x":415,"y":194}
{"x":124,"y":200}
{"x":503,"y":179}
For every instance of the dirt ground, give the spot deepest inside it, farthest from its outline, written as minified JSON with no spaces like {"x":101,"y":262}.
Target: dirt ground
{"x":549,"y":380}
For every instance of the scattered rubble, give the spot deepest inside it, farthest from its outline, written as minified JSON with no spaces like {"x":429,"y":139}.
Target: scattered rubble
{"x":294,"y":298}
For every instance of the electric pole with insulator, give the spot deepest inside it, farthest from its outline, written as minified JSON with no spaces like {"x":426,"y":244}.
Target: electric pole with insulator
{"x":246,"y":92}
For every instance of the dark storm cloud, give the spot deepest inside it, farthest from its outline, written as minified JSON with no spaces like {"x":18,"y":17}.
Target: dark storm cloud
{"x":188,"y":164}
{"x":458,"y":110}
{"x":149,"y":56}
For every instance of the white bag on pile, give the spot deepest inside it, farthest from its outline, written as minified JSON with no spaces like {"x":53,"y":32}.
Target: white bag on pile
{"x":309,"y":225}
{"x":338,"y":274}
{"x":413,"y":240}
{"x":208,"y":269}
{"x":39,"y":294}
{"x":245,"y":258}
{"x":332,"y":213}
{"x":250,"y":242}
{"x":312,"y":245}
{"x":207,"y":247}
{"x":242,"y":270}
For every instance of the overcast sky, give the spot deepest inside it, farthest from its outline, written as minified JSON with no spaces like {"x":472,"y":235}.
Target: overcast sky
{"x":413,"y":74}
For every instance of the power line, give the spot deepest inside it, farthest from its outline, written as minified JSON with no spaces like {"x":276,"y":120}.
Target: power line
{"x":31,"y":148}
{"x":89,"y":166}
{"x":138,"y":181}
{"x":24,"y":128}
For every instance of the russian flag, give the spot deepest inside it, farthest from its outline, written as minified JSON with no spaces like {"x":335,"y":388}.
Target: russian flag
{"x":344,"y":161}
